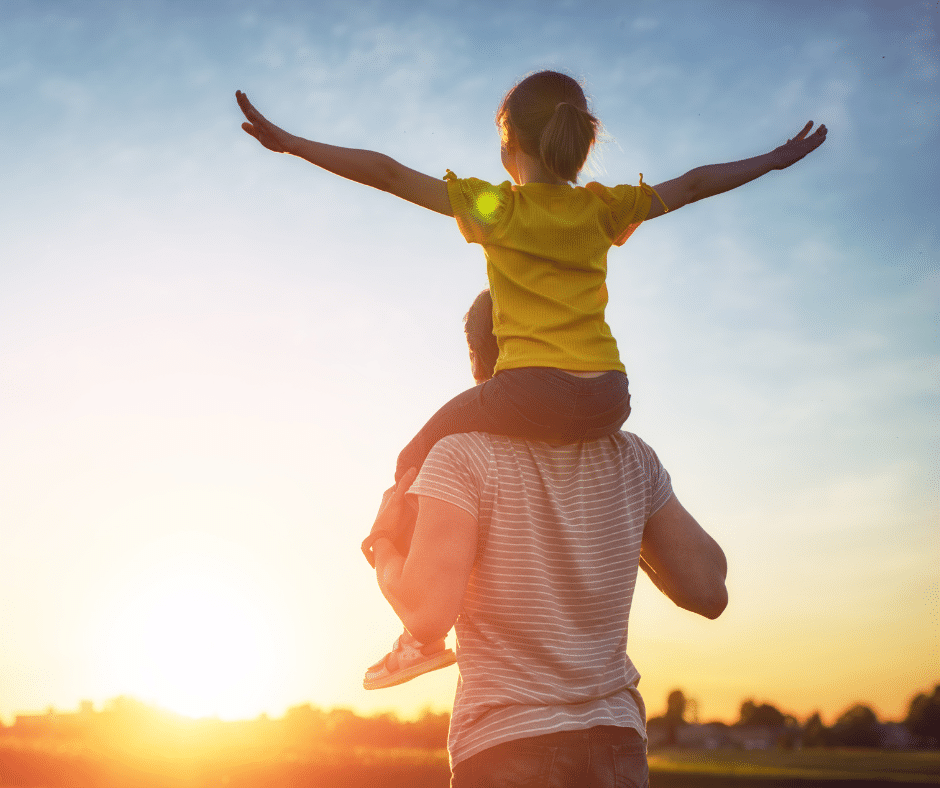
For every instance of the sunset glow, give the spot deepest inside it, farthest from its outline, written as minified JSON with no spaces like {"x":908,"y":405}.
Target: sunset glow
{"x":211,"y":355}
{"x":193,"y":642}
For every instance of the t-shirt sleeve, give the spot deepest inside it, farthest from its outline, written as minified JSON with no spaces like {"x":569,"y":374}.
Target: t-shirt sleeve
{"x":452,"y":473}
{"x":478,"y":206}
{"x":628,"y":206}
{"x":659,"y":480}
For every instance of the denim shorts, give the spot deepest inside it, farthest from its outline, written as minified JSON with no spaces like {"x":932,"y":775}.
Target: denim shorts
{"x":602,"y":757}
{"x":538,"y":403}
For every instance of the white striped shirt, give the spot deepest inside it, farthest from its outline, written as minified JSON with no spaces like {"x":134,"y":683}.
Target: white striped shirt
{"x":542,"y":633}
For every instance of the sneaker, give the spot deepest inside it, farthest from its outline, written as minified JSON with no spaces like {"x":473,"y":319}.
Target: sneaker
{"x":407,"y":659}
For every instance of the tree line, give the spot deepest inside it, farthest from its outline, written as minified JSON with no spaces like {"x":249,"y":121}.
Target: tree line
{"x":139,"y":725}
{"x":857,"y":726}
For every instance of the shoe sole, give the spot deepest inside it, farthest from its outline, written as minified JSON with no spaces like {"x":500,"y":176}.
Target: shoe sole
{"x":438,"y":661}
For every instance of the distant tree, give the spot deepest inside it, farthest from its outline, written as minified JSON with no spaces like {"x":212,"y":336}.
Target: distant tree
{"x":675,"y":706}
{"x":304,"y":720}
{"x":856,"y":727}
{"x":764,"y":715}
{"x":791,"y":734}
{"x":675,"y":715}
{"x":430,"y":730}
{"x":923,"y":716}
{"x":341,"y":727}
{"x":815,"y":734}
{"x":381,"y":730}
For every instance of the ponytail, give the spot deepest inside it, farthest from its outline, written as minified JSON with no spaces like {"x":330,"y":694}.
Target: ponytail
{"x":567,"y":140}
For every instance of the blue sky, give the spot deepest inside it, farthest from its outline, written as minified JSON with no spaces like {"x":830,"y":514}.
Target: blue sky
{"x":210,"y":355}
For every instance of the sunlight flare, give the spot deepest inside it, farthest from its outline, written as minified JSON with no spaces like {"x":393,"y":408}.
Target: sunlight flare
{"x":194,"y":641}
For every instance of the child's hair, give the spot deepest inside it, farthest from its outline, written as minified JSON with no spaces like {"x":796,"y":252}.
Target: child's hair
{"x":548,"y":115}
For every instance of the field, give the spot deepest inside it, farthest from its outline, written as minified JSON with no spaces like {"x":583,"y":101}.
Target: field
{"x":771,"y":768}
{"x":33,"y":765}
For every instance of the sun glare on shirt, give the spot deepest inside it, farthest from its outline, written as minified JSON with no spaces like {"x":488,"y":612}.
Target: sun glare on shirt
{"x":486,"y":204}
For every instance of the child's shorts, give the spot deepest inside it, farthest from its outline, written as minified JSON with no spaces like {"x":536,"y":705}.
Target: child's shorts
{"x":538,"y":403}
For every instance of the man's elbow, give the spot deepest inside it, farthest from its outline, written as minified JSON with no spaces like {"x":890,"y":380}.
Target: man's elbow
{"x":707,"y":596}
{"x":715,"y":603}
{"x":716,"y":597}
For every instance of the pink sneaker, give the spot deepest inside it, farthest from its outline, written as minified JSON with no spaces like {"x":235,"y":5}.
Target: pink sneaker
{"x":407,"y":659}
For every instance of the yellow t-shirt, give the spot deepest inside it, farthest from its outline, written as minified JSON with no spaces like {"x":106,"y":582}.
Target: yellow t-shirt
{"x":546,"y":250}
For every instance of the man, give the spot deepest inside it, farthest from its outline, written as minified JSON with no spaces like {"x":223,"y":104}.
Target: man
{"x":531,"y":551}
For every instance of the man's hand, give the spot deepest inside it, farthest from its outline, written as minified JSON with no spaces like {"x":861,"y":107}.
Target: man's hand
{"x":259,"y":127}
{"x":798,"y":147}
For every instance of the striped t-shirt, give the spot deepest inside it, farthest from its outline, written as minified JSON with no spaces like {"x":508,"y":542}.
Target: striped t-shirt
{"x":542,"y":633}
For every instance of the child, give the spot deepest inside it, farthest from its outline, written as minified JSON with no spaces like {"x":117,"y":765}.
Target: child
{"x":559,"y":375}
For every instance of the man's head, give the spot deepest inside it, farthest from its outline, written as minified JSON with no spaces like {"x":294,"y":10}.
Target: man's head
{"x":478,"y":326}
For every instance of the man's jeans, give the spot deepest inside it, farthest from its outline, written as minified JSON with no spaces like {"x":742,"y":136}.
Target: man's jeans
{"x":601,"y":757}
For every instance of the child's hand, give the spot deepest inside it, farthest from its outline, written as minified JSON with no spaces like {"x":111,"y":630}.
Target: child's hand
{"x":392,"y":509}
{"x":798,"y":147}
{"x":392,"y":518}
{"x":259,"y":127}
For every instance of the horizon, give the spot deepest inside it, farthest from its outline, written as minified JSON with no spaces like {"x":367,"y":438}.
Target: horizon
{"x":211,"y":355}
{"x":87,"y":707}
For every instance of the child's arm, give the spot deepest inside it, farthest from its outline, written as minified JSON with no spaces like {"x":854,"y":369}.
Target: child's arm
{"x":366,"y":167}
{"x":714,"y":179}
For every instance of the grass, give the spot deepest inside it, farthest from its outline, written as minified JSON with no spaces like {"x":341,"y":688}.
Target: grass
{"x":810,"y":764}
{"x":68,"y":765}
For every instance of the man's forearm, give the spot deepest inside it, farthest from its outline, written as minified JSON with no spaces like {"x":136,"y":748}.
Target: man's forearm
{"x":683,"y":561}
{"x":656,"y":579}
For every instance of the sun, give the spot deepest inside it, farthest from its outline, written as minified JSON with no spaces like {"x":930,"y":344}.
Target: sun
{"x":193,"y":640}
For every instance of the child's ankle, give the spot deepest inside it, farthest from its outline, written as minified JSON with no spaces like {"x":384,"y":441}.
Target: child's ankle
{"x":425,"y":648}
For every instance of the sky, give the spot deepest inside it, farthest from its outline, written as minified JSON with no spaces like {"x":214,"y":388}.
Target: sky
{"x":210,"y":354}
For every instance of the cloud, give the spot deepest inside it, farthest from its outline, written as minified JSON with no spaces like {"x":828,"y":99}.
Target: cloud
{"x":644,"y":24}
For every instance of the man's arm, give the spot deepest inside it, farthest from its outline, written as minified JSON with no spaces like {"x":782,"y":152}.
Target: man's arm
{"x":715,"y":179}
{"x":362,"y":166}
{"x":426,"y":587}
{"x":684,"y":562}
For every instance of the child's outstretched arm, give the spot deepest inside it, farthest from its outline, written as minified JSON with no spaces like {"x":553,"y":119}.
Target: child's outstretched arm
{"x":715,"y":179}
{"x":367,"y":167}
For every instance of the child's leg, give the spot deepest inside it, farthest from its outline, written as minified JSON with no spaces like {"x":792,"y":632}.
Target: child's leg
{"x":409,"y":657}
{"x":538,"y":403}
{"x":403,"y":541}
{"x":407,"y":660}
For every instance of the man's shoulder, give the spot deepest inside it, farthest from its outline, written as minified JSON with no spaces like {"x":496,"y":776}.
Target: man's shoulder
{"x":465,"y":441}
{"x":464,"y":449}
{"x":498,"y":446}
{"x":495,"y":438}
{"x":486,"y":467}
{"x":634,"y":440}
